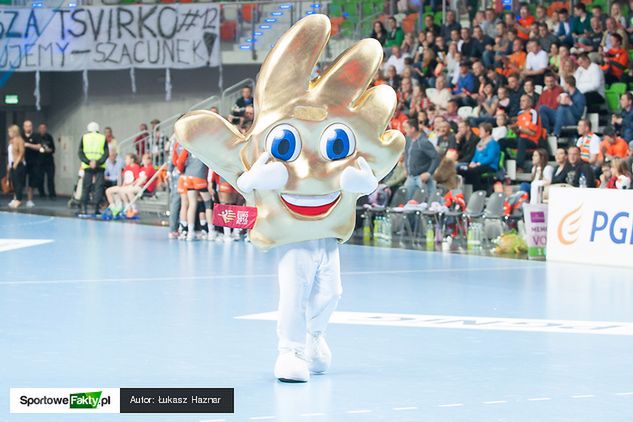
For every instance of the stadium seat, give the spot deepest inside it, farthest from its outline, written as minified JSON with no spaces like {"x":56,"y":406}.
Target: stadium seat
{"x":465,"y":112}
{"x":612,"y":94}
{"x":228,"y":31}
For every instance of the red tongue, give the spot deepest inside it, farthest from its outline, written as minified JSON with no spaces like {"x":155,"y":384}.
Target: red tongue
{"x":310,"y":211}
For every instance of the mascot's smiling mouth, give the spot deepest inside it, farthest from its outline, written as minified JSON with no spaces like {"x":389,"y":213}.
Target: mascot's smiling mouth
{"x":310,"y":205}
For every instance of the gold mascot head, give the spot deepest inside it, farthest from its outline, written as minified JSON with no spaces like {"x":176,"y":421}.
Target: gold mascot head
{"x":315,"y":146}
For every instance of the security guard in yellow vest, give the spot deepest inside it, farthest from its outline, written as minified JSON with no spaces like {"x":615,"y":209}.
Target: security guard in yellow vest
{"x":93,"y":153}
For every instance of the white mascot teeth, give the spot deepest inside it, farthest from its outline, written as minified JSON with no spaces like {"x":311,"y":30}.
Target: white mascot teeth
{"x":310,"y":200}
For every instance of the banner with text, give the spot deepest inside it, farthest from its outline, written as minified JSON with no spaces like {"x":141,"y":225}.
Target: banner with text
{"x":177,"y":36}
{"x":590,"y":226}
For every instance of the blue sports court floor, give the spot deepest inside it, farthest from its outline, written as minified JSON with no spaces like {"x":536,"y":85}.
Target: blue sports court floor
{"x":118,"y":305}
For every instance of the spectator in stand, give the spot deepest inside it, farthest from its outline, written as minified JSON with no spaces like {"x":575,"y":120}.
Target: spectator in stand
{"x":379,"y":32}
{"x":466,"y":85}
{"x":620,"y":175}
{"x":239,"y":107}
{"x":32,"y":156}
{"x":545,"y":38}
{"x":529,"y":133}
{"x":470,"y":47}
{"x":596,"y":12}
{"x":16,"y":165}
{"x":113,"y":170}
{"x":515,"y":62}
{"x":581,"y":25}
{"x":612,"y":146}
{"x":113,"y":144}
{"x":515,"y":92}
{"x":588,"y":143}
{"x":47,"y":162}
{"x":530,"y":91}
{"x":562,"y":166}
{"x":616,"y":13}
{"x":442,"y":93}
{"x":466,"y":142}
{"x":395,"y":35}
{"x":392,"y":78}
{"x":536,"y":62}
{"x":408,"y":45}
{"x":396,"y":59}
{"x":624,"y":120}
{"x":445,"y":138}
{"x":247,"y":120}
{"x":579,"y":173}
{"x":571,"y":107}
{"x":488,"y":104}
{"x":590,"y":82}
{"x":590,"y":42}
{"x":485,"y":159}
{"x":421,"y":159}
{"x":564,"y":30}
{"x":426,"y":69}
{"x":616,"y":60}
{"x":500,"y":130}
{"x":549,"y":95}
{"x":93,"y":153}
{"x":542,"y":172}
{"x":141,"y":139}
{"x":611,"y":28}
{"x":524,"y":22}
{"x":430,"y":25}
{"x":489,"y":25}
{"x":451,"y":113}
{"x":450,"y":24}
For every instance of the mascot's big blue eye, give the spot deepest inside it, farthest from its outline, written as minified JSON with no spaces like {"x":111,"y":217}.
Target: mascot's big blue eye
{"x":283,"y":142}
{"x":337,"y":142}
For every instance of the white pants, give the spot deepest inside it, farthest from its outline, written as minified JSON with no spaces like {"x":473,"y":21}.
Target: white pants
{"x":309,"y":289}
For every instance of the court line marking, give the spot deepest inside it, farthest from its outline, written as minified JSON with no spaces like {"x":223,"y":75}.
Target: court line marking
{"x":246,"y":276}
{"x":582,"y":396}
{"x":405,"y":408}
{"x":452,"y":405}
{"x":359,"y":411}
{"x":628,"y":393}
{"x":29,"y":223}
{"x":213,"y":420}
{"x":539,"y":399}
{"x":13,"y":244}
{"x":261,"y":418}
{"x":469,"y":322}
{"x":495,"y":402}
{"x":312,"y":414}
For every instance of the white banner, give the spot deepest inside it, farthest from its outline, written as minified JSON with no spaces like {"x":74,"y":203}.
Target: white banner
{"x":177,"y":36}
{"x":590,"y":226}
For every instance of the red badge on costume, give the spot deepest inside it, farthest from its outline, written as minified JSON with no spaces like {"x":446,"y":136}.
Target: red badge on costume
{"x":234,"y":216}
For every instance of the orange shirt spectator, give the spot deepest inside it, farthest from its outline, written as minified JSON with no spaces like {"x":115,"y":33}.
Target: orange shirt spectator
{"x":529,"y":119}
{"x":612,"y":145}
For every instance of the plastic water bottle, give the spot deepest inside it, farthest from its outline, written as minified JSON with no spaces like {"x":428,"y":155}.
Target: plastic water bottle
{"x":477,"y":234}
{"x":366,"y":227}
{"x":378,"y":228}
{"x":430,"y":237}
{"x":387,"y":228}
{"x":582,"y":182}
{"x":470,"y":237}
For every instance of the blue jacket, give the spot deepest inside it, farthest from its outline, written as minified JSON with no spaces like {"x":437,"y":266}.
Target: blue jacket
{"x":577,"y":104}
{"x":465,"y":82}
{"x":488,"y":156}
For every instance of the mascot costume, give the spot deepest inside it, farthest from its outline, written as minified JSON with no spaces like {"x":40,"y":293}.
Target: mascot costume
{"x":314,"y":148}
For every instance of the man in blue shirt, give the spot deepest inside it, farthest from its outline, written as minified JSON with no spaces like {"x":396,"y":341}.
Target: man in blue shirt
{"x":466,"y":85}
{"x":570,"y":109}
{"x":624,"y":121}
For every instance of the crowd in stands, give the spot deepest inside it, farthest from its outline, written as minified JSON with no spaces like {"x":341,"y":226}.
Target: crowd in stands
{"x":30,"y":163}
{"x":510,"y":87}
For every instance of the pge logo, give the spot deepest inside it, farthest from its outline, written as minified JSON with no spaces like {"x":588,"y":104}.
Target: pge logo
{"x":569,"y":226}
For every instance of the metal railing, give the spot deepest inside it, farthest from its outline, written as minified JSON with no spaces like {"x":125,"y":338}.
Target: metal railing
{"x":231,"y":94}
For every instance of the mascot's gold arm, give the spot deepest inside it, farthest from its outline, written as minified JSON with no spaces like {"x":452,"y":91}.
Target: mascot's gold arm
{"x":314,"y":148}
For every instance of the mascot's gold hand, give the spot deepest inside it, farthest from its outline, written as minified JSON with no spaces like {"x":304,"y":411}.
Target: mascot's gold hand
{"x":315,"y":145}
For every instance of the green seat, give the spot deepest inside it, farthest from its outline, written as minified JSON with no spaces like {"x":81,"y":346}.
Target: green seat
{"x":613,"y":94}
{"x":438,"y":18}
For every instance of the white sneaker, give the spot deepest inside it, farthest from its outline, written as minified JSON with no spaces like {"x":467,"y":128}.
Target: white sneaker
{"x":191,"y":236}
{"x":30,"y":204}
{"x":290,"y":367}
{"x":235,"y":235}
{"x":212,"y":235}
{"x":227,"y":238}
{"x":318,"y":353}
